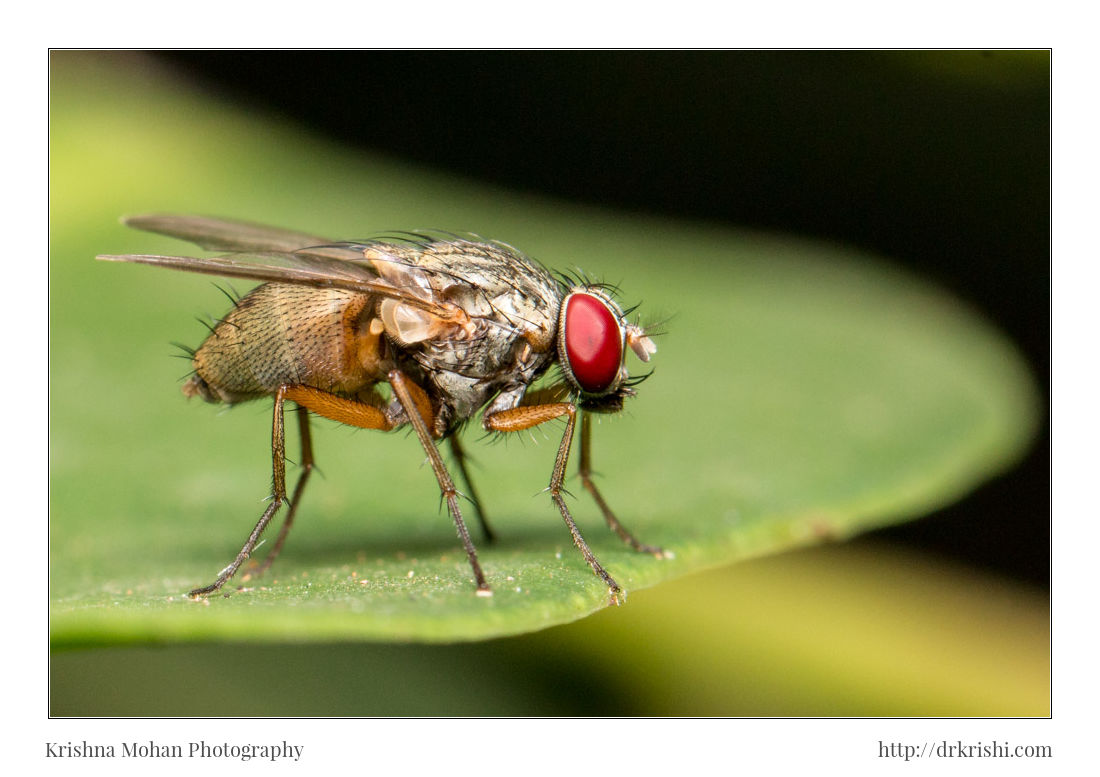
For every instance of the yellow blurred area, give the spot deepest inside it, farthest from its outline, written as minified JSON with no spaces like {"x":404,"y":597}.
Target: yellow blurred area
{"x":861,"y":629}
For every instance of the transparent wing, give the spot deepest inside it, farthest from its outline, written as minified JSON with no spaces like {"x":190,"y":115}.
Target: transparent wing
{"x":245,"y":237}
{"x":275,"y":255}
{"x":223,"y":234}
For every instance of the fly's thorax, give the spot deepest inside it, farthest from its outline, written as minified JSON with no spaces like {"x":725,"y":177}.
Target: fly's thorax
{"x":465,"y":383}
{"x":286,"y":333}
{"x":488,"y":320}
{"x":474,"y":282}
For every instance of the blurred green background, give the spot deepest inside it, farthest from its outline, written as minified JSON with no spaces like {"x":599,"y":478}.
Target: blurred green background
{"x":865,"y":628}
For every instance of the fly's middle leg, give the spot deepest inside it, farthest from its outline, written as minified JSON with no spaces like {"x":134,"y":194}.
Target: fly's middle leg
{"x":418,"y":408}
{"x":459,"y":454}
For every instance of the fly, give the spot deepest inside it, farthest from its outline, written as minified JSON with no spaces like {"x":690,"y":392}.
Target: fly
{"x":454,"y":325}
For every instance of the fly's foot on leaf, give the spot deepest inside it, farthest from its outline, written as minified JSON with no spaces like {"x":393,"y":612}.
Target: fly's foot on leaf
{"x":653,"y":550}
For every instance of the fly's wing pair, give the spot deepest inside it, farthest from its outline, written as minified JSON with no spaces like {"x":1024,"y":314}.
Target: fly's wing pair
{"x":270,"y":254}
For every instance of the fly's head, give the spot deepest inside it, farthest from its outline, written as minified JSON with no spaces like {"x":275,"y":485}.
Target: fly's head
{"x":593,"y":338}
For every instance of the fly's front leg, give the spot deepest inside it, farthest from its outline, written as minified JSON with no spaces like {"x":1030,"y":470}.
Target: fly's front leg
{"x":278,"y":496}
{"x":418,"y":408}
{"x":524,"y":417}
{"x":585,"y":472}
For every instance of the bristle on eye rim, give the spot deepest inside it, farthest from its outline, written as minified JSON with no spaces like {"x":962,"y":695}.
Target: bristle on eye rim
{"x":577,"y":279}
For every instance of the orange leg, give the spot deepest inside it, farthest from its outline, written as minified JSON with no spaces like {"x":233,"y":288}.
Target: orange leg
{"x":278,"y":496}
{"x":332,"y":407}
{"x":526,"y":416}
{"x":418,"y":408}
{"x":346,"y":411}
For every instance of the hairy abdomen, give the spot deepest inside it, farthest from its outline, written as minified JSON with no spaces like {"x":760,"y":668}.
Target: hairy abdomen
{"x":282,"y":333}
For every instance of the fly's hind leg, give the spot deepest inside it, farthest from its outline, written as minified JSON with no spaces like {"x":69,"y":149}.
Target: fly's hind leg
{"x":585,"y":472}
{"x":278,"y":496}
{"x":325,"y":404}
{"x":295,"y":500}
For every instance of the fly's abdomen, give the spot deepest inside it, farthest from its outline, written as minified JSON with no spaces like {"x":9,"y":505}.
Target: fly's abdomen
{"x":283,"y":333}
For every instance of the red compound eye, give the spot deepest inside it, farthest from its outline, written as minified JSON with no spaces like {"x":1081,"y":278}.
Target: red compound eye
{"x":591,"y":344}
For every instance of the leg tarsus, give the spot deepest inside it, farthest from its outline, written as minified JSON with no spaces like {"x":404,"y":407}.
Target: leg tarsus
{"x":243,"y":556}
{"x":615,"y":591}
{"x":526,"y":416}
{"x":295,"y":501}
{"x":617,"y":527}
{"x":585,"y":472}
{"x":556,"y":480}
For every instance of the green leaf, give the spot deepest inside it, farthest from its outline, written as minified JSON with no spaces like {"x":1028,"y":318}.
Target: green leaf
{"x":801,"y":393}
{"x":852,"y":629}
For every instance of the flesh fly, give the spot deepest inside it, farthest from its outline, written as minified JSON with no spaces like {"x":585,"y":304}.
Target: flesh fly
{"x":454,"y":325}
